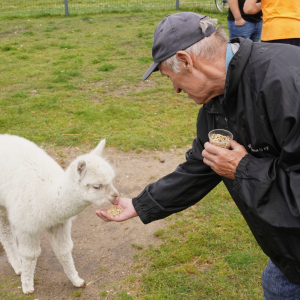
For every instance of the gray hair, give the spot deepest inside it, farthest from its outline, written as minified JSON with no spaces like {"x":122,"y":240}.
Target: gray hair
{"x":208,"y":47}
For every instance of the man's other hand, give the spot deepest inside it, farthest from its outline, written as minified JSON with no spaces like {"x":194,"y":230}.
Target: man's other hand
{"x":223,"y":161}
{"x":127,"y":213}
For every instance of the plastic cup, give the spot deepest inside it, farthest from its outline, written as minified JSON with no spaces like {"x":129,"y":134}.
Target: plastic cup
{"x":220,"y":138}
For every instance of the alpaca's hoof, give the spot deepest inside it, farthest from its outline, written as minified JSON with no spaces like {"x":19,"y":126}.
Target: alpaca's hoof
{"x":17,"y":268}
{"x":30,"y":292}
{"x":18,"y":272}
{"x":79,"y":282}
{"x":27,"y":289}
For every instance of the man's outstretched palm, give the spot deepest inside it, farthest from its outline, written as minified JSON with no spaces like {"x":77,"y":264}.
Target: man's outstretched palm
{"x":127,"y":213}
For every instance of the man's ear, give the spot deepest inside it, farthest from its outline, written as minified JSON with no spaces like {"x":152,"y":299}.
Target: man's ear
{"x":185,"y":58}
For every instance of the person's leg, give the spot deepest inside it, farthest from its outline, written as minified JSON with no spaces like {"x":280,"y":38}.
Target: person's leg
{"x":255,"y":36}
{"x":276,"y":286}
{"x":244,"y":31}
{"x":294,"y":42}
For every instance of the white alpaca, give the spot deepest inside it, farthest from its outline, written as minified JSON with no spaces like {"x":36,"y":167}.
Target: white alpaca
{"x":36,"y":194}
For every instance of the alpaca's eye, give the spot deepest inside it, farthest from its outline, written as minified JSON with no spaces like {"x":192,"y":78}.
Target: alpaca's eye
{"x":97,"y":187}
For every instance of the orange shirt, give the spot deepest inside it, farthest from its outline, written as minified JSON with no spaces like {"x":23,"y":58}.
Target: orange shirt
{"x":281,"y":19}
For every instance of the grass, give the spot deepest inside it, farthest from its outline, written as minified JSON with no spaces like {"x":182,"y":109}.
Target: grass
{"x":208,"y":252}
{"x":77,"y":294}
{"x":9,"y":289}
{"x":72,"y":82}
{"x":11,"y":9}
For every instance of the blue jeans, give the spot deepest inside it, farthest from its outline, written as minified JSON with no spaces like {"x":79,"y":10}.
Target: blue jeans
{"x":248,"y":31}
{"x":276,"y":286}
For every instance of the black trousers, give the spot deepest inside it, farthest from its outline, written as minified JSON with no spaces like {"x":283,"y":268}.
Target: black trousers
{"x":295,"y":42}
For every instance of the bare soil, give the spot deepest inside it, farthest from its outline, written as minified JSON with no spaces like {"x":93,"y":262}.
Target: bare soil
{"x":103,"y":252}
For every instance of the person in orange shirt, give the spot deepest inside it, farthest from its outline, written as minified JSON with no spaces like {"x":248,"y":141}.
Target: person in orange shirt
{"x":281,"y":20}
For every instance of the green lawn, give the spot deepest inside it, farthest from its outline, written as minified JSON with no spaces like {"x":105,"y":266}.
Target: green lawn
{"x":73,"y":81}
{"x":13,"y":8}
{"x":208,"y":252}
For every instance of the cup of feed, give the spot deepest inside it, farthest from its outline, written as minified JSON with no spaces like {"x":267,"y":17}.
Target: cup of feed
{"x":220,"y":138}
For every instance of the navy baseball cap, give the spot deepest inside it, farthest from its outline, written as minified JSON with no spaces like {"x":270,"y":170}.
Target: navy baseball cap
{"x":176,"y":32}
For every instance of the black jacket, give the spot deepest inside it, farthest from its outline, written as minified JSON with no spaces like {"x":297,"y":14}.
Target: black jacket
{"x":261,"y":107}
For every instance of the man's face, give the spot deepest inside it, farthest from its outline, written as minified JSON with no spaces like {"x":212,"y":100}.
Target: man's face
{"x":197,"y":84}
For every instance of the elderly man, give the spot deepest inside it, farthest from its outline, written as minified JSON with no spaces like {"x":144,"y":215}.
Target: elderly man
{"x":252,"y":90}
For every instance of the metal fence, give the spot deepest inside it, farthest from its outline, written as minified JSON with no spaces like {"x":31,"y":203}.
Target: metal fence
{"x":75,"y":7}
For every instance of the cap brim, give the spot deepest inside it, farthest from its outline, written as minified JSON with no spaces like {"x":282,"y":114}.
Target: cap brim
{"x":153,"y":68}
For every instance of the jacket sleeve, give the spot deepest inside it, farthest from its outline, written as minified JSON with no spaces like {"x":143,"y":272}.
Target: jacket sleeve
{"x":188,"y":184}
{"x":270,"y":186}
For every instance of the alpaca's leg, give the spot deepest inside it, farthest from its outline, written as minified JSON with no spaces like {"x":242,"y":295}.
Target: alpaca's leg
{"x":29,"y":249}
{"x":61,"y":241}
{"x":9,"y":241}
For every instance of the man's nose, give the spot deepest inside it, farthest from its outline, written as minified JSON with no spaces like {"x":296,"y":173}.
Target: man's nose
{"x":177,"y":89}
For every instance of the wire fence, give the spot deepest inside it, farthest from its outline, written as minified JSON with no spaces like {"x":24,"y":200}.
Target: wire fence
{"x":25,"y":8}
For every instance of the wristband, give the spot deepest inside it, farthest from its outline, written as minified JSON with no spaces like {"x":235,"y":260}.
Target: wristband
{"x":237,"y":19}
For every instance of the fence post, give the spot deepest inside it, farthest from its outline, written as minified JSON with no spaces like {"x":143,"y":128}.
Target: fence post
{"x":177,"y":4}
{"x":66,"y":8}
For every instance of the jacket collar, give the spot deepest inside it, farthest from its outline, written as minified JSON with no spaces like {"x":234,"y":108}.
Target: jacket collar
{"x":214,"y":106}
{"x":233,"y":76}
{"x":236,"y":66}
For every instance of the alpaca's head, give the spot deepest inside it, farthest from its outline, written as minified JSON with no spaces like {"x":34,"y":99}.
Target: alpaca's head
{"x":92,"y":177}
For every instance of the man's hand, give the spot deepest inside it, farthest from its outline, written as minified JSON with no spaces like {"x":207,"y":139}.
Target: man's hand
{"x":239,"y":22}
{"x":223,"y":161}
{"x":127,"y":213}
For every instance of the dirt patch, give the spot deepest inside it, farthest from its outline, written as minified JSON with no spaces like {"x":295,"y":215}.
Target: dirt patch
{"x":125,"y":89}
{"x":103,"y":252}
{"x":122,"y":90}
{"x":13,"y":32}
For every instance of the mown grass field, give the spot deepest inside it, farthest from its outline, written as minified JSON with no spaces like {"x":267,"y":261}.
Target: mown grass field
{"x":73,"y":81}
{"x":36,"y":8}
{"x":207,"y":253}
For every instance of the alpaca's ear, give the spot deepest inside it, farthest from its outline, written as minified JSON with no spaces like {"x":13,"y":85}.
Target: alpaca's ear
{"x":81,"y":169}
{"x":99,"y":148}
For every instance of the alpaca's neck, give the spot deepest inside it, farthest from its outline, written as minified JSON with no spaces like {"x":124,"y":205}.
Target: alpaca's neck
{"x":66,"y":202}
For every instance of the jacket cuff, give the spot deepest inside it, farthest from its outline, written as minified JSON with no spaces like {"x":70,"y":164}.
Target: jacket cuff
{"x":136,"y":204}
{"x":240,"y":172}
{"x":242,"y":166}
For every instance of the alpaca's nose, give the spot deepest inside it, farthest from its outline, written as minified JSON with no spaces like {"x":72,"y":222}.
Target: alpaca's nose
{"x":115,"y":195}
